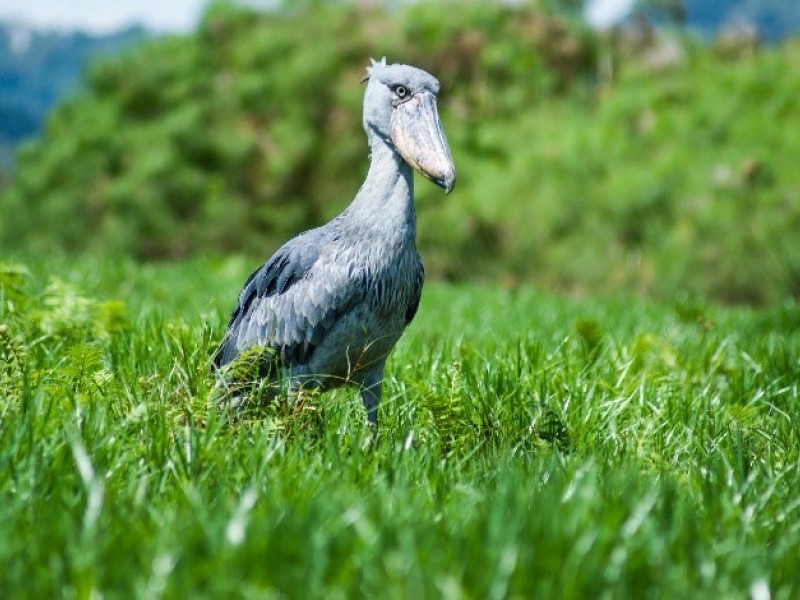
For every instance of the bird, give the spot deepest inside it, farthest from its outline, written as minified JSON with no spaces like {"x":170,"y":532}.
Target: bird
{"x":331,"y":303}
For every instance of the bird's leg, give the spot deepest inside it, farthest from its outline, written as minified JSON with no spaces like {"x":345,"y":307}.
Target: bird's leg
{"x":371,"y":387}
{"x":372,"y":399}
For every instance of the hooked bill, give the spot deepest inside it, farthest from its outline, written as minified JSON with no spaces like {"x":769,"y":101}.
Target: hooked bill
{"x":419,"y":138}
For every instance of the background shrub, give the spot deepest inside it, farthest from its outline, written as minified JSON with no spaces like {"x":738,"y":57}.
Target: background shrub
{"x":673,"y":171}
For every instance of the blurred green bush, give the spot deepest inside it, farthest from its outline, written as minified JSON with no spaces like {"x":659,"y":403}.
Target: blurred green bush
{"x":586,"y":164}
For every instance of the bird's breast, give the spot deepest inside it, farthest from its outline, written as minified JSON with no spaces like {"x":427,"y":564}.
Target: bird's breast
{"x":390,"y":283}
{"x":385,"y":280}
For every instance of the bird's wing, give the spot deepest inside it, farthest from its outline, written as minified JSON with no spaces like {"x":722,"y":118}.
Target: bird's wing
{"x":416,"y":292}
{"x":291,"y":301}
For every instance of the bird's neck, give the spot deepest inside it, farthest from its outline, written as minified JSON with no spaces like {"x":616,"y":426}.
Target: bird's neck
{"x":386,"y":199}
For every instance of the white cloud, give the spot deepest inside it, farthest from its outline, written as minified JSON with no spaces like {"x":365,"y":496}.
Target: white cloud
{"x":602,"y":14}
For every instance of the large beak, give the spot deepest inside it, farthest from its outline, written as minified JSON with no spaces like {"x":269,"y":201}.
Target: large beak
{"x":419,"y":138}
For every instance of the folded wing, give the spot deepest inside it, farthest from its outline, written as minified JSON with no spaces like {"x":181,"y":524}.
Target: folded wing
{"x":292,"y":301}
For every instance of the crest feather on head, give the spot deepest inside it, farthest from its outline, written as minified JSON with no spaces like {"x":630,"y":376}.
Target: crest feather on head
{"x":374,"y":63}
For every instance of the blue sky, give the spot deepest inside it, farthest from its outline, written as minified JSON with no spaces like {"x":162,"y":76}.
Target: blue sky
{"x":181,"y":15}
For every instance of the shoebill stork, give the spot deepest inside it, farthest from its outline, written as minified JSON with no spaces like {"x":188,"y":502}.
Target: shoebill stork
{"x":332,"y":302}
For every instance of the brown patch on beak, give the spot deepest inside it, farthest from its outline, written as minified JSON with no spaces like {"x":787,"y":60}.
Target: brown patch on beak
{"x":419,"y":138}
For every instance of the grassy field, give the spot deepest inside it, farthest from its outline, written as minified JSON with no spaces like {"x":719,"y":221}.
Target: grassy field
{"x":530,"y":445}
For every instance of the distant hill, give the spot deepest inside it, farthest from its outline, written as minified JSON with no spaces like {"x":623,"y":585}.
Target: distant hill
{"x":37,"y":68}
{"x":773,"y":20}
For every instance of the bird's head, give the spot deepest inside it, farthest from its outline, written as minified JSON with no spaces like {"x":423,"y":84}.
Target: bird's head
{"x":400,"y":107}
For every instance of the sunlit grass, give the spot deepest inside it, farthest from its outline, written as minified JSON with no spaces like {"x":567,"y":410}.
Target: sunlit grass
{"x":528,"y":445}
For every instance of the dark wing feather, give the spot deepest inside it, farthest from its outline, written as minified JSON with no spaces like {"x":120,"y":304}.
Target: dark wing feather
{"x":290,"y":302}
{"x":416,"y":293}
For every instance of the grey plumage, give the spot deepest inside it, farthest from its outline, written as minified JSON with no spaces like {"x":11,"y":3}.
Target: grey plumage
{"x":332,"y":302}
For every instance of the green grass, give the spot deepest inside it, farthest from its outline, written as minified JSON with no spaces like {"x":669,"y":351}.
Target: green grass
{"x":529,"y":445}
